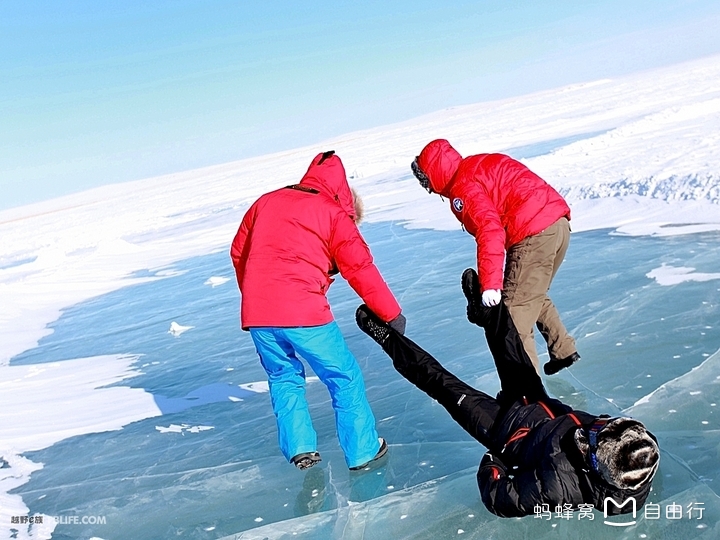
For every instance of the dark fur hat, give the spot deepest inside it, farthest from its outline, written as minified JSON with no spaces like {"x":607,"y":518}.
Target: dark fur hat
{"x":627,"y":455}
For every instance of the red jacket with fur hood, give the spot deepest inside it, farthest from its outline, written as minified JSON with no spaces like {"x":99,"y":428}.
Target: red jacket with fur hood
{"x":496,"y":198}
{"x":292,"y":240}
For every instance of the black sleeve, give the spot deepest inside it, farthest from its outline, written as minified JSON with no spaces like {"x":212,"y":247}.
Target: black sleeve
{"x":509,"y":497}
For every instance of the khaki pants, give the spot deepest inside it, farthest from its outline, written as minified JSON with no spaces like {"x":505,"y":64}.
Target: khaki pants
{"x":530,"y":268}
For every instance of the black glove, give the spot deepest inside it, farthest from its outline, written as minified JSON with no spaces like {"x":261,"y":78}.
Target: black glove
{"x":398,"y":324}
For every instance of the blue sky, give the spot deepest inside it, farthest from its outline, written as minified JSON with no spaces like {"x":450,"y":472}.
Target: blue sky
{"x":98,"y":92}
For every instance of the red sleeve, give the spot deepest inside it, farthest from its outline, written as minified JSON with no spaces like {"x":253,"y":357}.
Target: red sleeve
{"x":238,"y":251}
{"x":490,"y":237}
{"x":354,"y":261}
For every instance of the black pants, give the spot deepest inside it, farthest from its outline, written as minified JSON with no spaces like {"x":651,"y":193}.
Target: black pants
{"x":475,"y":411}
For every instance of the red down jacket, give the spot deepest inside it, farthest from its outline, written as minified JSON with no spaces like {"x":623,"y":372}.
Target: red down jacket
{"x":289,"y":243}
{"x":496,"y":198}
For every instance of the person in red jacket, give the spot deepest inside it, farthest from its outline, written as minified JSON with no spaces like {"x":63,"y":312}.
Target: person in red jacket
{"x":289,"y":244}
{"x":521,"y":226}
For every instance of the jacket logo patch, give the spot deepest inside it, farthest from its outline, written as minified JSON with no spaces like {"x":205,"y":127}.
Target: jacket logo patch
{"x":457,"y":204}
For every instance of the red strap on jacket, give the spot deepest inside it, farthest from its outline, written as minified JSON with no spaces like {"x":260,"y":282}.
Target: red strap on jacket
{"x":519,"y":434}
{"x":547,"y":409}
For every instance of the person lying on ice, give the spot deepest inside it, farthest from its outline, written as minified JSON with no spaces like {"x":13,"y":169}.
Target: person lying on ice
{"x":539,"y":450}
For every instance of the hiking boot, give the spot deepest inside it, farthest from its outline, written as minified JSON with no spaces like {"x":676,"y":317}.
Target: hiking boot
{"x":383,"y":450}
{"x":306,"y":460}
{"x":371,"y":324}
{"x":555,"y":365}
{"x":476,"y":312}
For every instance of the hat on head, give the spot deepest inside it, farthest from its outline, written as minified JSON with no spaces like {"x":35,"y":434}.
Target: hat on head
{"x":621,"y":451}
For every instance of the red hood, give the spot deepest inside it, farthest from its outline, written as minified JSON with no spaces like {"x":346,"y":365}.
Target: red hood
{"x":329,"y":178}
{"x":439,"y":161}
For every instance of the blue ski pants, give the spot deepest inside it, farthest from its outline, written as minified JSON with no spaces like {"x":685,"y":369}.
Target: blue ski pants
{"x":325,"y":350}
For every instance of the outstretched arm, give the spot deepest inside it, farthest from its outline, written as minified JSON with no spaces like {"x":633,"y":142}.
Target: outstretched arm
{"x":483,"y":220}
{"x":355,"y":262}
{"x":474,"y":410}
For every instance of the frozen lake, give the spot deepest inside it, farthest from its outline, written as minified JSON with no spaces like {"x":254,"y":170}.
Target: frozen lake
{"x":644,"y":310}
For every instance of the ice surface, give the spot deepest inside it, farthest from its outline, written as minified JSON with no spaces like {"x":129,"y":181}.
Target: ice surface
{"x":171,"y":476}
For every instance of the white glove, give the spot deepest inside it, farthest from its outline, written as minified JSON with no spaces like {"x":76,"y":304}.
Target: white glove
{"x":491,"y":297}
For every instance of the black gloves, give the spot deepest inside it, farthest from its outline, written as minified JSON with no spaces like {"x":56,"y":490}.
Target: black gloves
{"x":398,"y":324}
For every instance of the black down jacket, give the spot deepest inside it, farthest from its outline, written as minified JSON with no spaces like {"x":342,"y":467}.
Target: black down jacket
{"x":540,"y":463}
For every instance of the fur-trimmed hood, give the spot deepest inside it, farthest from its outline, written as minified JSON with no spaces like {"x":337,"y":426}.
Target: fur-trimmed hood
{"x":327,"y":174}
{"x":439,"y":161}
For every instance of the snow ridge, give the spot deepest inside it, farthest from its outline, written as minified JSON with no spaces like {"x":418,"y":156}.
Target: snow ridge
{"x":693,"y":187}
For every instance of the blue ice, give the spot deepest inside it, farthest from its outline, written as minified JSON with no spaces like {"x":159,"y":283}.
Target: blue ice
{"x":647,"y":349}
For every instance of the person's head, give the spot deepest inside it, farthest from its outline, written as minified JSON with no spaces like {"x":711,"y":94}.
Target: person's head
{"x":436,"y":165}
{"x":621,"y":451}
{"x":327,"y":174}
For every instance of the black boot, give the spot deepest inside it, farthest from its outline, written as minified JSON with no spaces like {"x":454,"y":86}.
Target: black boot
{"x":476,"y":312}
{"x":371,"y":324}
{"x":555,"y":364}
{"x":306,"y":460}
{"x":383,"y":450}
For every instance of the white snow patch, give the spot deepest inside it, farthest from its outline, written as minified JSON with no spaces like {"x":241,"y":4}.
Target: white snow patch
{"x":56,"y":400}
{"x":672,"y":275}
{"x":42,"y":404}
{"x":182,"y":428}
{"x":216,"y":281}
{"x":177,"y":329}
{"x":259,"y":387}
